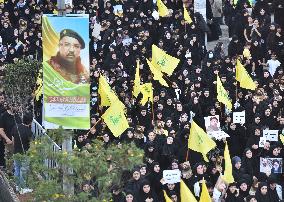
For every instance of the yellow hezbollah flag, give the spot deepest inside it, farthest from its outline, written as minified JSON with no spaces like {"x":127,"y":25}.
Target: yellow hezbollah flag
{"x":222,"y":94}
{"x":167,"y":199}
{"x":39,"y":83}
{"x":243,"y":77}
{"x":158,"y":75}
{"x":186,"y":15}
{"x":107,"y":95}
{"x":228,"y":176}
{"x":185,"y":193}
{"x":282,"y":138}
{"x":147,"y":91}
{"x":199,"y":141}
{"x":115,"y":119}
{"x":162,"y":9}
{"x":163,"y":61}
{"x":204,"y":197}
{"x":136,"y":87}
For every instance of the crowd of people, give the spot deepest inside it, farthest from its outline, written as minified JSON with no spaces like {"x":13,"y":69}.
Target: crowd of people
{"x":162,"y":128}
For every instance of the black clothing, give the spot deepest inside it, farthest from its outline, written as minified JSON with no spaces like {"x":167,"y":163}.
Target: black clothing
{"x":22,"y":136}
{"x":7,"y":122}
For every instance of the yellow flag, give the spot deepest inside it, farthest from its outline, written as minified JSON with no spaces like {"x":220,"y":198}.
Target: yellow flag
{"x":162,"y":9}
{"x":55,"y":12}
{"x":222,"y":94}
{"x":147,"y":91}
{"x":199,"y":141}
{"x":158,"y":75}
{"x":228,"y":176}
{"x":161,"y":60}
{"x":38,"y":92}
{"x":107,"y":95}
{"x":204,"y":197}
{"x":282,"y":138}
{"x":39,"y":83}
{"x":243,"y":77}
{"x":115,"y":119}
{"x":185,"y":193}
{"x":167,"y":199}
{"x":186,"y":15}
{"x":136,"y":87}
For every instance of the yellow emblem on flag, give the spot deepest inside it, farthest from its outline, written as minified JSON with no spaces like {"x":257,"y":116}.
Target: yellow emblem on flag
{"x":204,"y":197}
{"x":186,"y":15}
{"x":199,"y":141}
{"x":163,"y":61}
{"x":147,"y":91}
{"x":228,"y":176}
{"x":243,"y":77}
{"x":158,"y":75}
{"x":136,"y":87}
{"x":107,"y":95}
{"x":222,"y":94}
{"x":162,"y":9}
{"x":115,"y":118}
{"x":185,"y":193}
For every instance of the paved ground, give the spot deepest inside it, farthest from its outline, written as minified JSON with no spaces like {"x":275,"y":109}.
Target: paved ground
{"x":224,"y":39}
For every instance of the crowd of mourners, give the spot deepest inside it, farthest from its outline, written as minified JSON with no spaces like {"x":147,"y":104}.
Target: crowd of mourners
{"x":162,"y":128}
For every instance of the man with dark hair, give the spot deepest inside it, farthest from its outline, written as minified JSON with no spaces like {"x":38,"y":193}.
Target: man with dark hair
{"x":7,"y":121}
{"x":22,"y":135}
{"x":67,"y":62}
{"x":213,"y":124}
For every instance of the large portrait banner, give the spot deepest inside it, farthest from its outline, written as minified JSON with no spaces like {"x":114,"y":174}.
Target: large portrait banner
{"x":66,"y":87}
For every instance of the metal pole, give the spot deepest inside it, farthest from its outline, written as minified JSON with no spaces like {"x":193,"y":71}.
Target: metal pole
{"x":68,"y":186}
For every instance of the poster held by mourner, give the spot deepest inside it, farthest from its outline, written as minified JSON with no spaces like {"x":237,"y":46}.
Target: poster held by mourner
{"x":239,"y":117}
{"x":66,"y":76}
{"x":271,"y":135}
{"x":213,"y":128}
{"x":271,"y":165}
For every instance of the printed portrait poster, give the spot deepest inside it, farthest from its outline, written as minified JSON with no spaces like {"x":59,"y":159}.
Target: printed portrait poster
{"x":212,"y":123}
{"x":213,"y":128}
{"x":66,"y":87}
{"x":271,"y":165}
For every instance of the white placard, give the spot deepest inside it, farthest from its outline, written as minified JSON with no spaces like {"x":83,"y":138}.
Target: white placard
{"x":218,"y":135}
{"x":171,"y":176}
{"x":127,"y":42}
{"x":155,"y":15}
{"x":239,"y":117}
{"x":262,"y":141}
{"x":97,"y":30}
{"x":66,"y":110}
{"x":271,"y":135}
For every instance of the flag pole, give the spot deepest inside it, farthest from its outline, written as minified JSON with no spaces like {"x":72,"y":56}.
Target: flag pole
{"x":167,"y":78}
{"x":94,"y":126}
{"x":186,"y":158}
{"x":152,"y":108}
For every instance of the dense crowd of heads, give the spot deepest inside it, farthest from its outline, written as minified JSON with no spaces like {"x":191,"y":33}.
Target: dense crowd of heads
{"x":162,"y":128}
